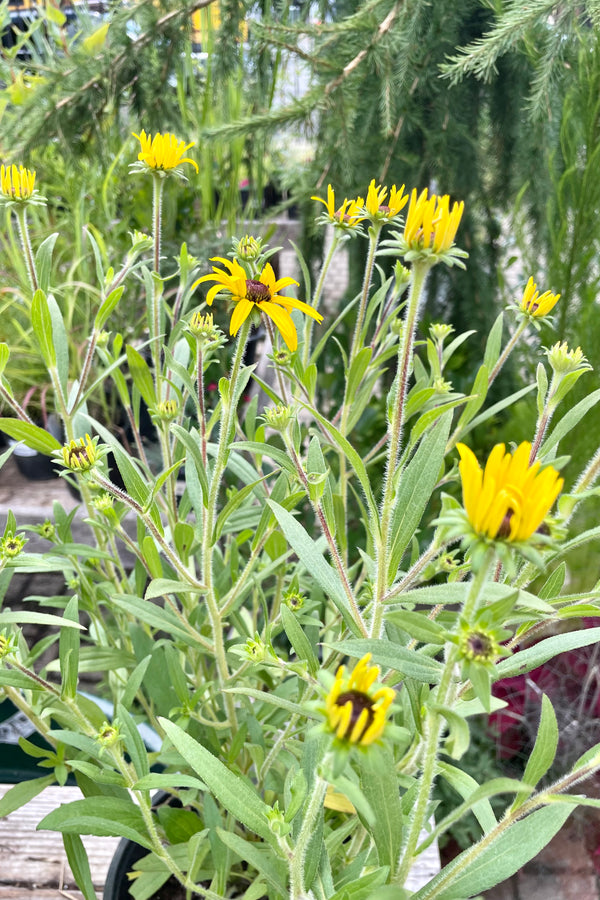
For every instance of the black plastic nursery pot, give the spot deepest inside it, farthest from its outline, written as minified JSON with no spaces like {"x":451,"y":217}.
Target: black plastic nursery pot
{"x":33,"y":465}
{"x":15,"y":764}
{"x":116,"y":886}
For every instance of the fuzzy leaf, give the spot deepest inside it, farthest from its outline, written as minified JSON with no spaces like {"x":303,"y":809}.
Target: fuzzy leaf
{"x":233,"y":792}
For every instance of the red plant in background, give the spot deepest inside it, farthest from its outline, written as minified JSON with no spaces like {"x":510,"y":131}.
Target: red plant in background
{"x":572,"y":683}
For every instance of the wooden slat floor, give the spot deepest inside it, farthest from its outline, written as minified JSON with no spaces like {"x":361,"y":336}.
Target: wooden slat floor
{"x":33,"y":863}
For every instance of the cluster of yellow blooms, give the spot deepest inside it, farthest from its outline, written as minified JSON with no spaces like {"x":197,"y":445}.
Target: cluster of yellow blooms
{"x":506,"y":501}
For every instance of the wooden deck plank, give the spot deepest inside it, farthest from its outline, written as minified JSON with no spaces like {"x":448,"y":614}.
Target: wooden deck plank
{"x":34,"y":862}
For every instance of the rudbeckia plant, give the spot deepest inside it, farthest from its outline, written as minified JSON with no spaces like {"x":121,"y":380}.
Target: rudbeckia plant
{"x":306,"y":631}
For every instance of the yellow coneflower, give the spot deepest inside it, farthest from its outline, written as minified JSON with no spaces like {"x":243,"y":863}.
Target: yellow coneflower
{"x":355,"y":713}
{"x":347,"y":215}
{"x":376,"y":206}
{"x":17,"y":183}
{"x":80,"y":455}
{"x":430,"y":223}
{"x":509,"y":499}
{"x":262,"y":293}
{"x":535,"y":304}
{"x":163,"y":152}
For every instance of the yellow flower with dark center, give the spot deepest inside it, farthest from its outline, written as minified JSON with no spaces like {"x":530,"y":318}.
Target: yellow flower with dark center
{"x":347,"y":215}
{"x":81,"y":455}
{"x":535,"y":304}
{"x":17,"y":184}
{"x":262,"y":293}
{"x":376,"y":206}
{"x":430,"y":223}
{"x":12,"y":545}
{"x":510,"y":498}
{"x":356,"y":713}
{"x":163,"y":152}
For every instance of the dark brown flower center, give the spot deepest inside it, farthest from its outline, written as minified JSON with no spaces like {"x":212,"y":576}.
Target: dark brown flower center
{"x":79,"y":453}
{"x":359,"y":701}
{"x":257,"y":292}
{"x":480,"y":645}
{"x":504,"y":530}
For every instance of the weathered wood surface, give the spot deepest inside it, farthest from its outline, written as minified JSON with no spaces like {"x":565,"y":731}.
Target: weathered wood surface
{"x":33,"y":863}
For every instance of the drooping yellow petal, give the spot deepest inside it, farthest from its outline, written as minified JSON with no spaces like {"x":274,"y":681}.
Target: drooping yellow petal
{"x":242,"y":310}
{"x":284,"y":322}
{"x":510,"y":498}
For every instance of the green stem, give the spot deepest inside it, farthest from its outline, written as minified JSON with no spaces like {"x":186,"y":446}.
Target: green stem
{"x":543,"y":421}
{"x":313,"y":809}
{"x":201,"y":407}
{"x":155,"y":335}
{"x":476,"y":585}
{"x":331,"y":542}
{"x":433,"y":729}
{"x":374,"y":232}
{"x":395,"y":426}
{"x":15,"y":406}
{"x":135,"y":507}
{"x":23,"y":228}
{"x":507,"y":351}
{"x":208,"y":538}
{"x":316,"y":299}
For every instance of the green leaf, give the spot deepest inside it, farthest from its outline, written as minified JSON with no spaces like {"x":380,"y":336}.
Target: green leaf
{"x":297,"y":638}
{"x":142,"y":377}
{"x":314,"y":562}
{"x":415,"y":489}
{"x":24,"y":617}
{"x":80,"y":865}
{"x":541,"y":379}
{"x":357,"y":370}
{"x":361,"y":888}
{"x":41,"y":322}
{"x":156,"y":616}
{"x":494,"y":343}
{"x":278,"y":456}
{"x":274,"y":700}
{"x":355,"y":461}
{"x":61,"y":342}
{"x":20,"y":794}
{"x":108,"y":306}
{"x":457,"y":742}
{"x":102,"y":816}
{"x":475,"y":400}
{"x":37,"y":438}
{"x":159,"y":587}
{"x":568,"y":422}
{"x":69,"y":651}
{"x":4,"y":356}
{"x":133,"y":742}
{"x":489,"y":789}
{"x":157,"y":780}
{"x":499,"y":860}
{"x":233,"y":792}
{"x":428,"y":418}
{"x":43,"y":260}
{"x":493,"y":410}
{"x":418,"y":626}
{"x":273,"y":870}
{"x":532,"y":657}
{"x":391,"y":656}
{"x":379,"y":784}
{"x":232,"y":504}
{"x":544,"y":751}
{"x":465,"y":785}
{"x":191,"y":442}
{"x":554,"y":584}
